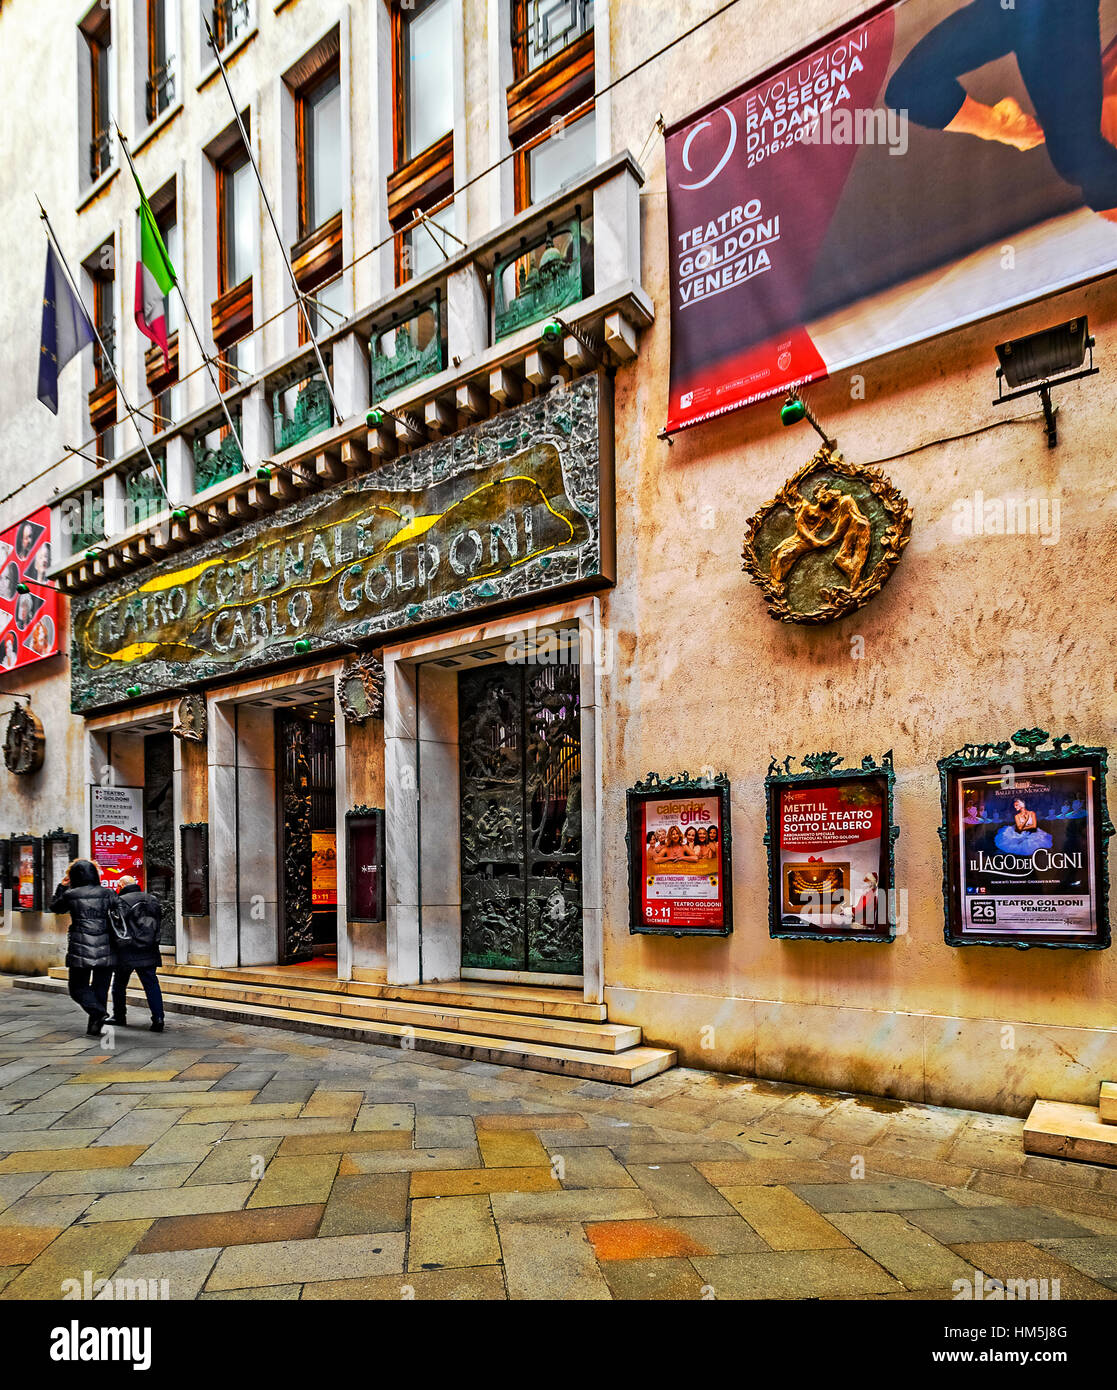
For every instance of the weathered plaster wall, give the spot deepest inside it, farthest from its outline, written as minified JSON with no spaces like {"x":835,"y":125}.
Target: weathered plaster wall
{"x":972,"y":639}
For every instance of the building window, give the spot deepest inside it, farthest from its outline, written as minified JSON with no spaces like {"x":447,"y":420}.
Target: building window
{"x":236,"y":253}
{"x":100,"y":268}
{"x":561,"y":158}
{"x":104,"y":315}
{"x":423,"y":95}
{"x":542,"y":29}
{"x":551,"y":102}
{"x":160,"y":85}
{"x":229,"y":20}
{"x":235,"y":209}
{"x":433,"y":241}
{"x":424,"y":76}
{"x":316,"y":256}
{"x":319,"y":152}
{"x":97,"y":33}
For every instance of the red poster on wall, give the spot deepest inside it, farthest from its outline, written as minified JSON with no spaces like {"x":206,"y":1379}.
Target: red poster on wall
{"x":874,"y":191}
{"x":28,"y":604}
{"x":830,"y":841}
{"x":117,"y":833}
{"x":25,"y":876}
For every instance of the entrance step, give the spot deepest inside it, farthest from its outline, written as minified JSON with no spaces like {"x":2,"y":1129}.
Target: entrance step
{"x":1058,"y":1129}
{"x":595,"y":1051}
{"x":454,"y":994}
{"x":562,"y":1032}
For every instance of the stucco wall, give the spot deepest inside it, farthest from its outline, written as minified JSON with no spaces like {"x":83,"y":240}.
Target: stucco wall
{"x":972,"y":639}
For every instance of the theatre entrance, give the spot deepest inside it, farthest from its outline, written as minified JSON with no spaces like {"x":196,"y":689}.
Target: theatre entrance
{"x":307,"y":818}
{"x":521,"y":834}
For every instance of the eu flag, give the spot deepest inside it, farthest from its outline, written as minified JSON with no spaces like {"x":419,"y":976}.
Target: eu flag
{"x":66,"y":330}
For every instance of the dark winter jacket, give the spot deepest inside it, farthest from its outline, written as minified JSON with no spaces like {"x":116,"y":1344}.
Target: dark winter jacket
{"x":144,"y":914}
{"x":91,"y":942}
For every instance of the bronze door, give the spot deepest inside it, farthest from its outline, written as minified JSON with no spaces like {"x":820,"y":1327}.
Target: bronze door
{"x":521,"y":840}
{"x":159,"y":828}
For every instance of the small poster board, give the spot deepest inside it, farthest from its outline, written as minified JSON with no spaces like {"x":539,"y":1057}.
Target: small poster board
{"x":830,"y":844}
{"x":365,"y":864}
{"x":194,"y":858}
{"x":680,"y":866}
{"x":1023,"y":834}
{"x":26,"y":869}
{"x":60,"y":848}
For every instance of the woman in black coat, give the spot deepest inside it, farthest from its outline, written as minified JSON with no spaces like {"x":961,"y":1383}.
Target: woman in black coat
{"x":139,"y":952}
{"x":90,"y":956}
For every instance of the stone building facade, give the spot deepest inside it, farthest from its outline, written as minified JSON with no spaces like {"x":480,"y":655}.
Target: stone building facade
{"x":426,"y":227}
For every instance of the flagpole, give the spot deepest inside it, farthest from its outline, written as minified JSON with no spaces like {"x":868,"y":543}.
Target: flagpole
{"x":190,"y":320}
{"x":104,"y":355}
{"x":299,"y":297}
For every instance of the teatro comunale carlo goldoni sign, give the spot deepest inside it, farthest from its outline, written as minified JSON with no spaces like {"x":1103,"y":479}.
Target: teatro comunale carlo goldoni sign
{"x":514,"y":507}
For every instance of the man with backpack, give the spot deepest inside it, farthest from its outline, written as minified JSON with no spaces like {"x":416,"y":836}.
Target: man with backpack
{"x":138,"y":951}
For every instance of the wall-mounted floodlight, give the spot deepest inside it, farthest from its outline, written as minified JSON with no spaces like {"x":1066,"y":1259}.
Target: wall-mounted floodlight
{"x":1037,"y":363}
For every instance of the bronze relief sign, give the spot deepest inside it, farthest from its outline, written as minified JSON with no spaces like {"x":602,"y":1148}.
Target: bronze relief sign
{"x":506,"y":510}
{"x":828,"y":541}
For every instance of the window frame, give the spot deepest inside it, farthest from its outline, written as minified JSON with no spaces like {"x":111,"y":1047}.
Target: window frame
{"x":220,"y":23}
{"x":328,"y":77}
{"x":97,"y":32}
{"x":520,"y":26}
{"x":232,"y":311}
{"x":226,"y":169}
{"x":561,"y":86}
{"x":158,"y":63}
{"x":400,"y":88}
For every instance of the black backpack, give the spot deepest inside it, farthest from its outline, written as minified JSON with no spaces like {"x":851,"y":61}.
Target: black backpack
{"x":140,"y":923}
{"x":118,"y":922}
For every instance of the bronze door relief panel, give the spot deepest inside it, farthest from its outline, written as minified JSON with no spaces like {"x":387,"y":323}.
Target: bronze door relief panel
{"x":521,"y":842}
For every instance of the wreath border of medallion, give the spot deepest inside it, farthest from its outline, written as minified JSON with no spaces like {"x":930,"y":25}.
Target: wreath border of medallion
{"x":837,"y":602}
{"x":24,"y":742}
{"x":366,"y":670}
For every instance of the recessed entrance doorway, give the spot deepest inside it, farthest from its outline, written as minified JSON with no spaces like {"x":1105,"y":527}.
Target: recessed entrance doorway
{"x":307,"y":820}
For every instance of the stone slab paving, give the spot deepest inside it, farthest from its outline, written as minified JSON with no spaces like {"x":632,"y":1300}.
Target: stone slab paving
{"x":228,"y":1161}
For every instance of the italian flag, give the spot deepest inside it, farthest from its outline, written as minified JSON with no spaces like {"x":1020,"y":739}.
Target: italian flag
{"x":155,"y":277}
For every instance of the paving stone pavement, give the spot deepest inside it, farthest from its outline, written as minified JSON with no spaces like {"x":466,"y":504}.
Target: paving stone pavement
{"x":228,"y":1161}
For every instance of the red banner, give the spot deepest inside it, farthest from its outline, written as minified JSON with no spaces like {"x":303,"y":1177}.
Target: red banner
{"x":28,"y":604}
{"x":117,"y":833}
{"x":932,"y":165}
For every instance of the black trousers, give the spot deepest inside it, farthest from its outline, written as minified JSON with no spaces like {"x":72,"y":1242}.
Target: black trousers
{"x":90,"y":989}
{"x":150,"y":981}
{"x":1057,"y":44}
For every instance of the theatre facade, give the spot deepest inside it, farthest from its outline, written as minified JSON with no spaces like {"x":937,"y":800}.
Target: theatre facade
{"x":453,"y":701}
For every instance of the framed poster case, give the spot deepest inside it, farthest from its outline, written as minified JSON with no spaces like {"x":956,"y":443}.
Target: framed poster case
{"x":194,"y":861}
{"x":680,"y":856}
{"x":26,"y":870}
{"x":60,"y":847}
{"x":364,"y":827}
{"x":5,"y":882}
{"x":1024,"y":832}
{"x":831,"y":856}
